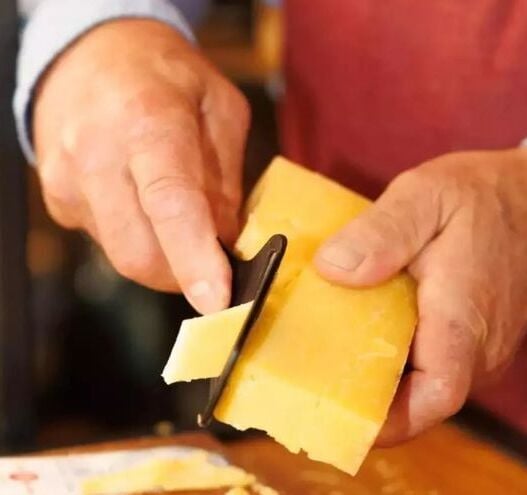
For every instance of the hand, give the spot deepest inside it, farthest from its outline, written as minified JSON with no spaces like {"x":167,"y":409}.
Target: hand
{"x":140,"y":141}
{"x":459,"y":223}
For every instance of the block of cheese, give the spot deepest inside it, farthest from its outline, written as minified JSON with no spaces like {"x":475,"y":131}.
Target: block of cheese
{"x":321,"y":366}
{"x":328,"y":360}
{"x":212,"y":339}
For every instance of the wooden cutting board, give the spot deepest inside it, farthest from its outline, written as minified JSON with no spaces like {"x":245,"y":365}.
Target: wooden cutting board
{"x":444,"y":461}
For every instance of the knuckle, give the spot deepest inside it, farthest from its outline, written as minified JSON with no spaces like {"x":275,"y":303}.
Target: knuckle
{"x":60,"y":202}
{"x":229,"y":102}
{"x":144,"y":100}
{"x":411,"y":178}
{"x":185,"y":77}
{"x":385,"y":221}
{"x":75,"y":137}
{"x":154,"y":116}
{"x":240,"y":106}
{"x":417,"y":183}
{"x":58,"y":216}
{"x":386,"y":227}
{"x":176,"y":125}
{"x":62,"y":215}
{"x":442,"y":180}
{"x":51,"y":175}
{"x":51,"y":185}
{"x":154,"y":99}
{"x":165,"y":198}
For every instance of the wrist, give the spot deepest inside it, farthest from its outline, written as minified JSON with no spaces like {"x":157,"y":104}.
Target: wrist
{"x":112,"y":44}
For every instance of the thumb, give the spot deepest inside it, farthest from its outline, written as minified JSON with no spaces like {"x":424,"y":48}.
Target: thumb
{"x":385,"y":238}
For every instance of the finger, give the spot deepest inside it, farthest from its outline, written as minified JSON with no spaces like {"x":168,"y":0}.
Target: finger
{"x":181,"y":217}
{"x":379,"y":243}
{"x":226,"y":117}
{"x":123,"y":230}
{"x":445,"y":347}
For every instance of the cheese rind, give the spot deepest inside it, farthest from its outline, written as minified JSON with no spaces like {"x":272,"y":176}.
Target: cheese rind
{"x":320,"y":367}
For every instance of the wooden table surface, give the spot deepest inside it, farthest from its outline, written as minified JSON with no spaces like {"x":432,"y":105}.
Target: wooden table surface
{"x":444,"y":461}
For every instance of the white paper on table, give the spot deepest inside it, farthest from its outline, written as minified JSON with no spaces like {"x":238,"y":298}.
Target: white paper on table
{"x":63,"y":475}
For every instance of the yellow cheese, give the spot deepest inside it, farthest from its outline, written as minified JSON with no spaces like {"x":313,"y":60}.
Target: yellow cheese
{"x":304,"y":206}
{"x":195,"y":472}
{"x":238,"y":491}
{"x":211,"y":338}
{"x":320,"y":368}
{"x":328,"y":360}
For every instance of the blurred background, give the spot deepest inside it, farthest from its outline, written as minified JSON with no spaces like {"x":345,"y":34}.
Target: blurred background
{"x":98,"y":342}
{"x":82,"y":349}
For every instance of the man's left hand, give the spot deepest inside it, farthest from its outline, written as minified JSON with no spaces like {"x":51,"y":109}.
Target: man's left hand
{"x":459,"y":224}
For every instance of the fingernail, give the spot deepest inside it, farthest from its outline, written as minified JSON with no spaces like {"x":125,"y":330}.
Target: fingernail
{"x":341,"y":255}
{"x":207,"y":297}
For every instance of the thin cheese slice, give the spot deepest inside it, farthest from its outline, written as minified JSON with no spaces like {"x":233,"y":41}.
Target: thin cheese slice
{"x":195,"y":472}
{"x":211,"y":338}
{"x":320,"y":368}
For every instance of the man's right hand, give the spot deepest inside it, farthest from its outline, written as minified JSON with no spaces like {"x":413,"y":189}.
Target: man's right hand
{"x":140,"y":142}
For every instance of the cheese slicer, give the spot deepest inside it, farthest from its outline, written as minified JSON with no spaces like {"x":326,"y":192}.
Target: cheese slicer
{"x":251,"y":281}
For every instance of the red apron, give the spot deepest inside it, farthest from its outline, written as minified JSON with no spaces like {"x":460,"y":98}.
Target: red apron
{"x":375,"y":87}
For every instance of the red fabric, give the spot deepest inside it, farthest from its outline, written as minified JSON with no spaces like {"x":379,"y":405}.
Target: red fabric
{"x":507,"y":399}
{"x":375,"y":87}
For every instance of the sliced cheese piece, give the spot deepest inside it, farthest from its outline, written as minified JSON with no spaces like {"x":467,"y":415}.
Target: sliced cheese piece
{"x":210,"y":337}
{"x":195,"y":472}
{"x":321,"y":366}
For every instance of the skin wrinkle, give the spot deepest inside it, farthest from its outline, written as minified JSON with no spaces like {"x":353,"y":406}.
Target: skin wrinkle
{"x":169,"y":66}
{"x":421,"y":215}
{"x":172,"y":126}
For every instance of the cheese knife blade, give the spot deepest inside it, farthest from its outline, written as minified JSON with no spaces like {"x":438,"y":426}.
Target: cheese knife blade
{"x":251,"y":281}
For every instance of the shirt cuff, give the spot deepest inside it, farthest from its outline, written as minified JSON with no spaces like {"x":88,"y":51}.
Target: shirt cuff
{"x":54,"y":25}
